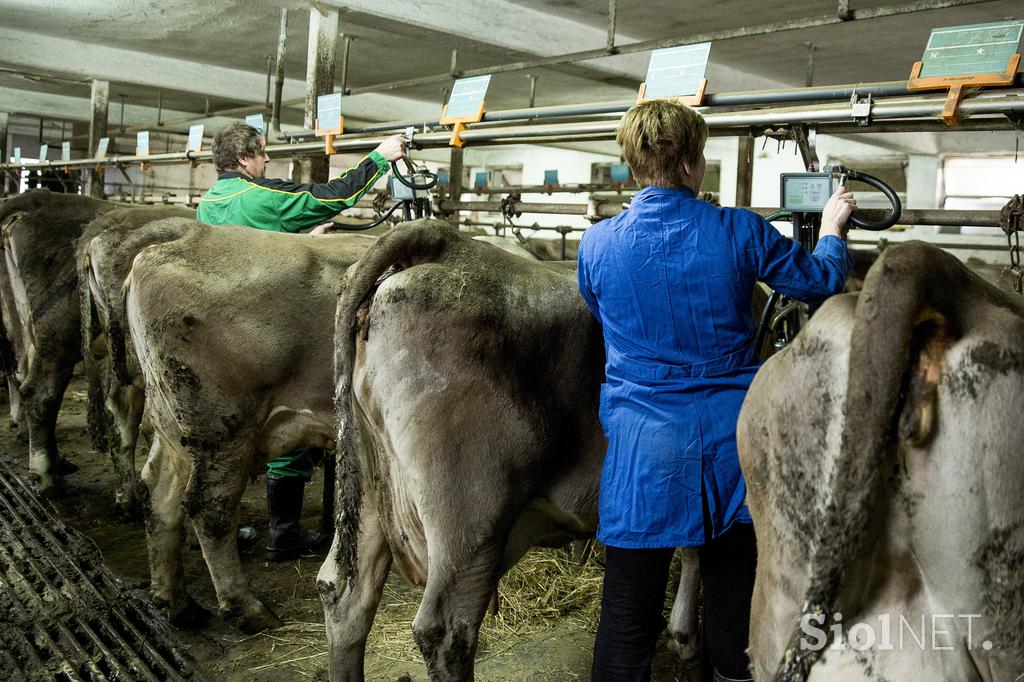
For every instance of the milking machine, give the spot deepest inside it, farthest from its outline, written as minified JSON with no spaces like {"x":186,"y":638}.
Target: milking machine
{"x":803,"y":198}
{"x":409,"y":189}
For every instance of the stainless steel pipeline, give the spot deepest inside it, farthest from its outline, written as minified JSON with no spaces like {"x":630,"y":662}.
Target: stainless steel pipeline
{"x":916,"y":108}
{"x":910,"y":216}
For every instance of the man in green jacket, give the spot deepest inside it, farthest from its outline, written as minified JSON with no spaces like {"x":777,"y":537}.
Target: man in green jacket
{"x":243,"y":196}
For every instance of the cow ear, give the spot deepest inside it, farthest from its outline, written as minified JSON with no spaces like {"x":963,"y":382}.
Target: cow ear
{"x":931,"y":339}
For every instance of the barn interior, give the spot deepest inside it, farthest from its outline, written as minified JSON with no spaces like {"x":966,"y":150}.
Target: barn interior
{"x":121,"y":99}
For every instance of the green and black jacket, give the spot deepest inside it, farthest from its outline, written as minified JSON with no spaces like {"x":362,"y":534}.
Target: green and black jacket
{"x":285,"y":206}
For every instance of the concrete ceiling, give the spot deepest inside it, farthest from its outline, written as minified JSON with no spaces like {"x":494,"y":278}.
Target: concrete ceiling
{"x":216,"y":50}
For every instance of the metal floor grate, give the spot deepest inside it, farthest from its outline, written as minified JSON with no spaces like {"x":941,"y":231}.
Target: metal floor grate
{"x":63,"y":614}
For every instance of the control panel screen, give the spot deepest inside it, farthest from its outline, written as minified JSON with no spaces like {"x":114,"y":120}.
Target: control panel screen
{"x":806,"y":192}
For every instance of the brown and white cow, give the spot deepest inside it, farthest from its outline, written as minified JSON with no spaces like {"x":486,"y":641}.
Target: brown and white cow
{"x":38,"y":287}
{"x":233,"y":329}
{"x":116,"y":393}
{"x":473,"y":379}
{"x":885,"y":480}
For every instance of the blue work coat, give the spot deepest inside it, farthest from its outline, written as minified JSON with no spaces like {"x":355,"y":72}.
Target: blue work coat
{"x":671,"y":281}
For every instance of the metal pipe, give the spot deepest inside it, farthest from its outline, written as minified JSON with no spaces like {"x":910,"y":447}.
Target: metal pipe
{"x":282,"y":48}
{"x":270,"y":75}
{"x":1001,"y":102}
{"x":610,"y":43}
{"x":344,"y":62}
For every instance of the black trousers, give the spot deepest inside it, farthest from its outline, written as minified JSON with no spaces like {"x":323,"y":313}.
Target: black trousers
{"x":632,"y":603}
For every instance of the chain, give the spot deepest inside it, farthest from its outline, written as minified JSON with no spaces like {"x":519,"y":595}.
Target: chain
{"x":1011,"y":219}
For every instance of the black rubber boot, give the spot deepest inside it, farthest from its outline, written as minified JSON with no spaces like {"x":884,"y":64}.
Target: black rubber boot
{"x":285,"y":538}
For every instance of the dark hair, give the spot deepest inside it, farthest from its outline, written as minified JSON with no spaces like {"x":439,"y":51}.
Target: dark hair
{"x":237,"y":139}
{"x":657,"y":136}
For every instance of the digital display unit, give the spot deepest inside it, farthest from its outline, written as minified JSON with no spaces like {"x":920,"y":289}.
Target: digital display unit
{"x":806,"y":192}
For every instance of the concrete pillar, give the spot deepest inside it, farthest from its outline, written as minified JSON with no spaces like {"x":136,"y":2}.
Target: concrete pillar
{"x":745,"y":170}
{"x":6,"y":181}
{"x":97,"y":129}
{"x":320,"y":58}
{"x":455,"y":181}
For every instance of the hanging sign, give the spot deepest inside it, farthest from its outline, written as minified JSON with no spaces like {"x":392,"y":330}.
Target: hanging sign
{"x":620,"y":173}
{"x":17,"y":155}
{"x":101,"y":147}
{"x":959,"y":57}
{"x":44,"y":149}
{"x":195,"y":138}
{"x":480,"y":180}
{"x":677,"y":73}
{"x":256,"y":121}
{"x":465,"y":105}
{"x":329,"y":121}
{"x":65,"y":151}
{"x":142,"y":143}
{"x":551,"y":178}
{"x":442,"y":178}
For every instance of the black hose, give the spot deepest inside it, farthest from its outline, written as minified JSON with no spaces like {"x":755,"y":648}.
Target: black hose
{"x":766,"y":316}
{"x":890,"y":194}
{"x":412,"y":171}
{"x":357,"y":228}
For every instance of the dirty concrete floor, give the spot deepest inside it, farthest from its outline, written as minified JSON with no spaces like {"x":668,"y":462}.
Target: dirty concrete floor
{"x":559,"y":651}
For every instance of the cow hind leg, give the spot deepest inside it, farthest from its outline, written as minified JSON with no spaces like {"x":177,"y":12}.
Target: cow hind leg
{"x":214,"y":492}
{"x":126,"y":404}
{"x":349,"y":607}
{"x":42,"y":397}
{"x":163,"y":488}
{"x":682,"y":626}
{"x":447,"y":624}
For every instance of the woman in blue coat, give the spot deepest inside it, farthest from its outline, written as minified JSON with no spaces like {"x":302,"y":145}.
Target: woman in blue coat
{"x":670,"y":280}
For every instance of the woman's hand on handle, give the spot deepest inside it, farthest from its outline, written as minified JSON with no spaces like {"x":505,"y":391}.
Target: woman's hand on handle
{"x":837,"y":211}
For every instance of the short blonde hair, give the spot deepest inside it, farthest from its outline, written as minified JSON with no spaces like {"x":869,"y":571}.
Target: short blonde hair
{"x":657,"y":136}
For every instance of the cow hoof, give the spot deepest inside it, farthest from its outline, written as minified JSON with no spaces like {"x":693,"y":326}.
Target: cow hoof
{"x":686,"y":648}
{"x":47,"y":485}
{"x":258,"y":620}
{"x":191,"y":617}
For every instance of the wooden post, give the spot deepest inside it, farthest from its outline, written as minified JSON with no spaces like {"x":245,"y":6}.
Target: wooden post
{"x":745,"y":171}
{"x":320,"y":58}
{"x":97,"y":129}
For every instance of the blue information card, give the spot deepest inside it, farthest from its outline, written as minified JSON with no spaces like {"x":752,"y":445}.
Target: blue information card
{"x":101,"y":147}
{"x":44,"y":149}
{"x":195,"y":138}
{"x":256,"y":121}
{"x":142,"y":143}
{"x":328,"y":112}
{"x":620,"y":172}
{"x":974,"y":49}
{"x":17,"y":155}
{"x":442,"y":178}
{"x":65,"y":151}
{"x":551,"y":177}
{"x":676,"y":71}
{"x":467,"y":95}
{"x":480,"y":180}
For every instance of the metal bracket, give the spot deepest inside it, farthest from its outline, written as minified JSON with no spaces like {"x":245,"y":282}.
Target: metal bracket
{"x":861,"y":109}
{"x":806,"y":138}
{"x":508,"y":207}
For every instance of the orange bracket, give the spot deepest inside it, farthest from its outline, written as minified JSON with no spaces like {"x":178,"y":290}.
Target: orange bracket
{"x":329,"y":134}
{"x":459,"y":123}
{"x":694,"y":100}
{"x":956,"y":84}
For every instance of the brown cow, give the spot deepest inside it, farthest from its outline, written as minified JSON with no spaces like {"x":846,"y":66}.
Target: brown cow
{"x":884,"y":478}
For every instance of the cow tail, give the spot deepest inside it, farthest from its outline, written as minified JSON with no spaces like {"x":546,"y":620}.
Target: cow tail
{"x":403,"y":247}
{"x":906,"y":280}
{"x":99,"y":419}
